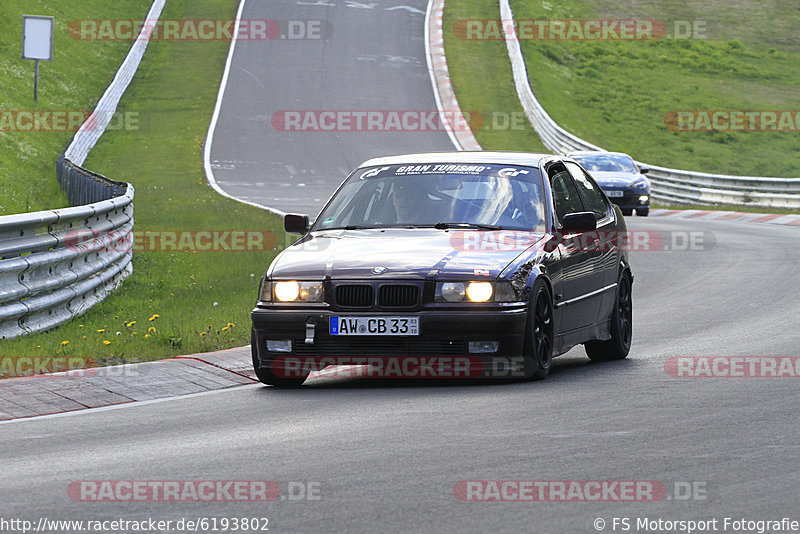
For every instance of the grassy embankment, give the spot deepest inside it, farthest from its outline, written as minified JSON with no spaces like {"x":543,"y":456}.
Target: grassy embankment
{"x":201,"y":299}
{"x":617,"y":94}
{"x":75,"y":80}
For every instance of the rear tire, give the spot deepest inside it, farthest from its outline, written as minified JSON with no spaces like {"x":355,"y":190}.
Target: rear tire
{"x":619,"y":345}
{"x":642,"y":212}
{"x":265,"y":374}
{"x":538,"y":353}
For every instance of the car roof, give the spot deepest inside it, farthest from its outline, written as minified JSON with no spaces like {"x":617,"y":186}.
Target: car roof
{"x":529,"y":159}
{"x":596,"y":153}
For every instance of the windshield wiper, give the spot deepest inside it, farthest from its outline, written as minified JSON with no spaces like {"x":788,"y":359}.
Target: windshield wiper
{"x":446,"y":225}
{"x":348,"y":227}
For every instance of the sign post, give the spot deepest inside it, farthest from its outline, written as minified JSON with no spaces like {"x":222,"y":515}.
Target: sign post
{"x":37,"y":44}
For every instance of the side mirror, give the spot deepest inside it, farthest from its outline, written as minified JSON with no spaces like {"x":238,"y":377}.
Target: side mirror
{"x":295,"y":224}
{"x":644,"y":169}
{"x":584,"y":221}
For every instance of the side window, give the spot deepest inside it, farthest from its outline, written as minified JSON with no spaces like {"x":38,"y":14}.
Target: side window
{"x":565,"y":194}
{"x":592,"y":197}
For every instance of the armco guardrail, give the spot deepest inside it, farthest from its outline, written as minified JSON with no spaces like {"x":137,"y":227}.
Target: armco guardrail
{"x":56,"y":264}
{"x":669,"y":185}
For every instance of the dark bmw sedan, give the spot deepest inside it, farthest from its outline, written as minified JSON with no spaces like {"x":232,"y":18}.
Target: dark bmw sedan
{"x":463,"y":264}
{"x":621,"y":179}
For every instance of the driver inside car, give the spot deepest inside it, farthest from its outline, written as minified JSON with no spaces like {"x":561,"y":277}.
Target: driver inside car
{"x":415,"y":201}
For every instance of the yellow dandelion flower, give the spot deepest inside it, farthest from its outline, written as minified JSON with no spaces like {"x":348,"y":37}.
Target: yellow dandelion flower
{"x":231,"y":325}
{"x":65,"y":342}
{"x":106,"y":342}
{"x":146,"y":336}
{"x":225,"y":328}
{"x":151,"y":329}
{"x":203,"y":333}
{"x":80,"y":326}
{"x":130,"y":324}
{"x":154,"y":317}
{"x":101,"y":330}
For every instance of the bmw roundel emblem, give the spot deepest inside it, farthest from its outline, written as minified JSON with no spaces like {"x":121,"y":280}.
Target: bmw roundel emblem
{"x":379,"y":270}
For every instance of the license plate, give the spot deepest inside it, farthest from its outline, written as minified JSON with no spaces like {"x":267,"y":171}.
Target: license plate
{"x":374,"y":326}
{"x":614,"y":194}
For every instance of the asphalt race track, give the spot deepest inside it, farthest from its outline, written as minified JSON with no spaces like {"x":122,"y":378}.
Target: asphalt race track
{"x":373,"y":60}
{"x":386,"y":454}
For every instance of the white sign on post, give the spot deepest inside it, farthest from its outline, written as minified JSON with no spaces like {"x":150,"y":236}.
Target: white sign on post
{"x":37,"y":37}
{"x":37,"y":43}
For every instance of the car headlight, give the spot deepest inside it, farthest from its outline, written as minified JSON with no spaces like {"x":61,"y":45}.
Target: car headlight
{"x":292,"y":291}
{"x":639,"y":185}
{"x":452,"y":291}
{"x":474,"y":292}
{"x":479,"y":291}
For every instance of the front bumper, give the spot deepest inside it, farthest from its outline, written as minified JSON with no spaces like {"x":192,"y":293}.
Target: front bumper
{"x":444,"y":338}
{"x":632,"y":199}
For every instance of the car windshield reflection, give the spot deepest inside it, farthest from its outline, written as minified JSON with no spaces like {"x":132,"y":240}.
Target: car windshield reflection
{"x":442,"y":196}
{"x":607,"y":163}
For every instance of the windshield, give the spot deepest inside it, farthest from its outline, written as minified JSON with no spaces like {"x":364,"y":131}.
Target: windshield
{"x":607,"y":163}
{"x":438,"y":194}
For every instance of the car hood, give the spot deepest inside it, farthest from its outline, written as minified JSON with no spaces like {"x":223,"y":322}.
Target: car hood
{"x":615,"y":179}
{"x":404,"y":253}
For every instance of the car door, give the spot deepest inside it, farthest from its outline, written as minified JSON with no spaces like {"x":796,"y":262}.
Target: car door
{"x":576,"y":302}
{"x":606,"y":257}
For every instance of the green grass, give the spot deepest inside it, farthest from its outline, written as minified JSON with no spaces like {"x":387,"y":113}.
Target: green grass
{"x":486,"y":85}
{"x":75,"y":80}
{"x":192,"y":292}
{"x":616,"y":94}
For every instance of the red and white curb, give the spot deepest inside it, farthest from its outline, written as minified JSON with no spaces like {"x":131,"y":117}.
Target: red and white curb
{"x":787,"y":219}
{"x":461,"y":134}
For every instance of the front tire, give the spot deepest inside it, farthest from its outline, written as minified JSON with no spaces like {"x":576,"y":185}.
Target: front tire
{"x":642,"y":212}
{"x":619,"y":345}
{"x":265,"y":374}
{"x":539,"y":337}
